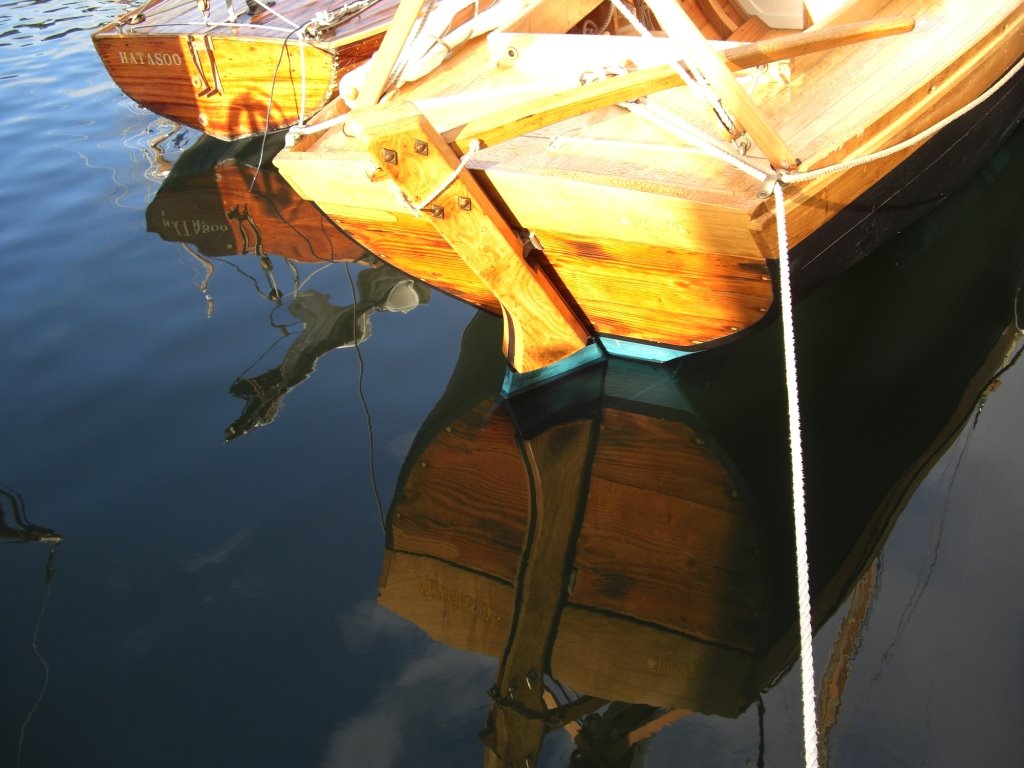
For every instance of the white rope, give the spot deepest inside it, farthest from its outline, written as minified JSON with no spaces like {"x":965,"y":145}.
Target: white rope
{"x":275,"y":13}
{"x":680,"y":128}
{"x":306,"y":130}
{"x":799,"y":506}
{"x":474,"y":146}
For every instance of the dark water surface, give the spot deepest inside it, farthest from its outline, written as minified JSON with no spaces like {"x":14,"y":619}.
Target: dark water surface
{"x":238,"y":602}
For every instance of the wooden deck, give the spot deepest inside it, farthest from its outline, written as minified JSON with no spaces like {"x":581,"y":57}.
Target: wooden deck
{"x":184,"y":17}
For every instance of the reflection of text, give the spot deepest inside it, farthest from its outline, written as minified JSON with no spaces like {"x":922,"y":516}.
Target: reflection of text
{"x":152,"y":59}
{"x":459,"y":600}
{"x":665,"y":667}
{"x":191,"y":226}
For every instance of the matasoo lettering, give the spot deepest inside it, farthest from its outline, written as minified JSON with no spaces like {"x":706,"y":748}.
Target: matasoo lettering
{"x":151,"y":59}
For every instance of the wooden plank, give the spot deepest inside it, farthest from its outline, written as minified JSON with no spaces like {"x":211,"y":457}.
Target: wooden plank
{"x":384,"y":59}
{"x":548,"y":52}
{"x":453,"y":605}
{"x":721,"y":14}
{"x":517,"y":119}
{"x":782,"y":47}
{"x":735,"y":100}
{"x":446,"y":502}
{"x":539,"y":51}
{"x":540,"y":326}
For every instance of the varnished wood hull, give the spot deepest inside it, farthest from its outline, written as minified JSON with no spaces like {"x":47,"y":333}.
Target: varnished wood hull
{"x":682,"y":255}
{"x":228,"y":82}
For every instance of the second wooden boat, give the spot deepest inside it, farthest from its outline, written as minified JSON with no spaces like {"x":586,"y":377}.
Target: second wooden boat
{"x":236,"y":71}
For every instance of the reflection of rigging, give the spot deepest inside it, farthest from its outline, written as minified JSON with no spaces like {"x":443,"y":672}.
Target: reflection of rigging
{"x":16,"y":528}
{"x":325,"y":327}
{"x":220,"y":201}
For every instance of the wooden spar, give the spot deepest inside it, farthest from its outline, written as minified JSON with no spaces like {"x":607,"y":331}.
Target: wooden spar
{"x":814,"y":40}
{"x":540,"y":326}
{"x":509,"y":122}
{"x":735,"y":100}
{"x":387,"y":55}
{"x":532,"y":51}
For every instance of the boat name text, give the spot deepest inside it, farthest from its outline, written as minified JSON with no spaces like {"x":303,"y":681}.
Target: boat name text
{"x":185,"y":227}
{"x":666,"y":667}
{"x":151,"y":59}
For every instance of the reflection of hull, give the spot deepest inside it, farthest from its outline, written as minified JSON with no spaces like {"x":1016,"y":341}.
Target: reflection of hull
{"x":663,"y":573}
{"x":218,"y":200}
{"x":233,"y":80}
{"x":627,"y":530}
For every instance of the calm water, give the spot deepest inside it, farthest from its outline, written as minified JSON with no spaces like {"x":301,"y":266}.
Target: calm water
{"x":215,"y":602}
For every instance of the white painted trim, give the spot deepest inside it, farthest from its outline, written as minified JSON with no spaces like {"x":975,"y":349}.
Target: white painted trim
{"x":779,"y":14}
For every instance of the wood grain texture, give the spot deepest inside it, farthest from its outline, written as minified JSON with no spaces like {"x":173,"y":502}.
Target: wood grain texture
{"x":233,"y":81}
{"x":451,"y":497}
{"x":227,"y":94}
{"x":541,"y":327}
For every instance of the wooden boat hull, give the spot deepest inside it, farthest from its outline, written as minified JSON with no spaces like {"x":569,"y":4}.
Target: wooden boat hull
{"x":681,"y":256}
{"x":654,"y":291}
{"x":228,"y":82}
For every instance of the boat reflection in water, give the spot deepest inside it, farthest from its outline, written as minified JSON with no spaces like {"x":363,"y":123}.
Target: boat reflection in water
{"x":226,"y":199}
{"x":626,"y":532}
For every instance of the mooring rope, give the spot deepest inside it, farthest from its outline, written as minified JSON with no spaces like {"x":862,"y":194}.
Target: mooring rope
{"x":799,"y":506}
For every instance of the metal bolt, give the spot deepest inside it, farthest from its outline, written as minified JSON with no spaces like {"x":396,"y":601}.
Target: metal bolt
{"x":420,"y":146}
{"x":437,"y":211}
{"x":465,"y":203}
{"x":389,"y":156}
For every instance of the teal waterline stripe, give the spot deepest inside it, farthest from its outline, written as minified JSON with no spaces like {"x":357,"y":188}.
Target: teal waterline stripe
{"x":592,"y":353}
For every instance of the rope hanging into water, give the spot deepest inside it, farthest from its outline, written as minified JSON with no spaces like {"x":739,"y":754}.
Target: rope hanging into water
{"x":799,"y":506}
